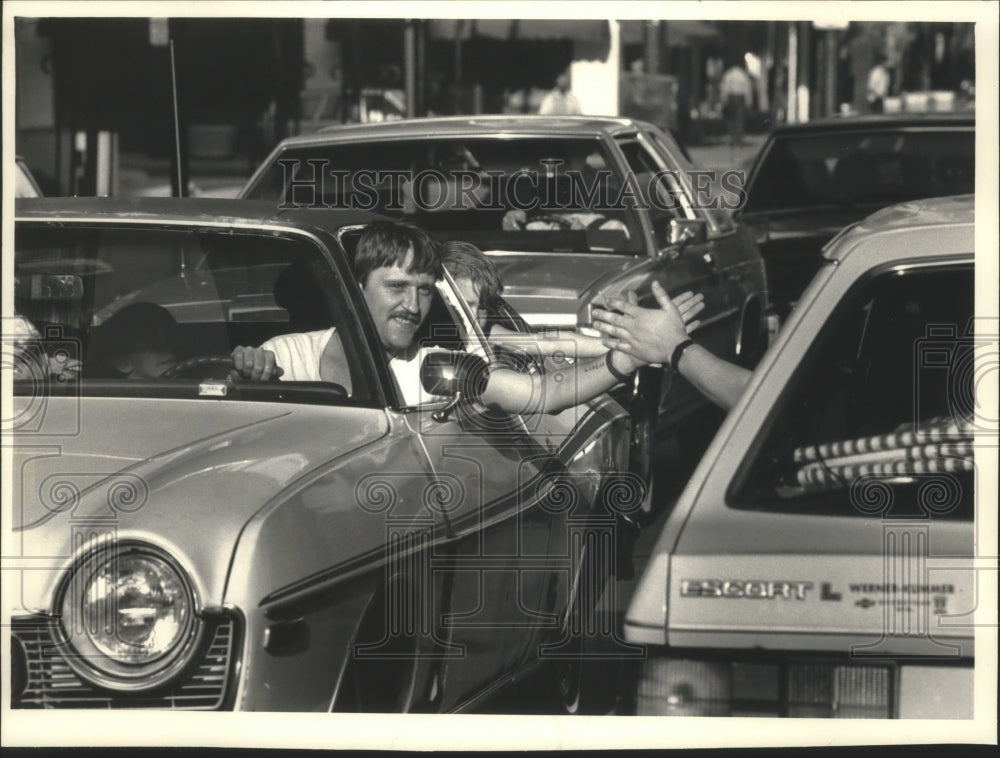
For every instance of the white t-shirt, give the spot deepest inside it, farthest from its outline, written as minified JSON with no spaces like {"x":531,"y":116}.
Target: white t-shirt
{"x":557,"y":103}
{"x":299,"y":356}
{"x":736,"y":81}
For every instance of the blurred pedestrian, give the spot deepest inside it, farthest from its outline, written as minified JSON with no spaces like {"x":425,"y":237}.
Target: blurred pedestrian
{"x":878,"y":85}
{"x":560,"y":101}
{"x":736,"y":91}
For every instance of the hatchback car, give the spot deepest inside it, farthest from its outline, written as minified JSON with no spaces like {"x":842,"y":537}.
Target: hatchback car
{"x":810,"y":180}
{"x":820,"y":562}
{"x":195,"y":541}
{"x":571,"y":209}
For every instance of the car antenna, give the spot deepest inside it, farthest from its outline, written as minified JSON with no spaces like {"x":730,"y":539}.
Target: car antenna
{"x":179,"y":189}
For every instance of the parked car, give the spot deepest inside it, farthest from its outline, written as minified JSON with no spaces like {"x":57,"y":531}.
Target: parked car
{"x":819,"y":562}
{"x":810,"y":180}
{"x":24,"y":182}
{"x":606,"y":205}
{"x":195,"y":542}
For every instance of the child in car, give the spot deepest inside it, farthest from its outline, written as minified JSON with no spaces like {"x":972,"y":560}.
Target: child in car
{"x":140,"y":341}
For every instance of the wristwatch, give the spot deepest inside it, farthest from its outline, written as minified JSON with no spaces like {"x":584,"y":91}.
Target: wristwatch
{"x":675,"y":358}
{"x":623,"y":378}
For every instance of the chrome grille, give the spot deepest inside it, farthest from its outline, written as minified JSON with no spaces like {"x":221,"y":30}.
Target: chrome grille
{"x":50,"y":682}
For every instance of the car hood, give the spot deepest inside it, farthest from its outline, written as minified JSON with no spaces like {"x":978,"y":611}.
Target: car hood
{"x":781,"y":581}
{"x":188,"y":484}
{"x":545,"y":288}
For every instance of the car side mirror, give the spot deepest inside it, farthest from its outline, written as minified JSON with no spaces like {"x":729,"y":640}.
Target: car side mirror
{"x":455,"y":374}
{"x":687,"y":230}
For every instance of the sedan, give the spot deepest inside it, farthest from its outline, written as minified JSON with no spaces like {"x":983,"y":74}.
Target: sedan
{"x":810,"y":180}
{"x":198,"y":541}
{"x":571,"y":209}
{"x":821,"y":561}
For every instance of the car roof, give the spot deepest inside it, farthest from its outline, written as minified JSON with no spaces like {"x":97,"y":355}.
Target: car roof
{"x":874,"y":122}
{"x":203,"y":210}
{"x":916,"y":218}
{"x":447,"y":126}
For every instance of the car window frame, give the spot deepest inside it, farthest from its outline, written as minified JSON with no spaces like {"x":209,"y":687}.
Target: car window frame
{"x":359,"y":345}
{"x":735,"y":497}
{"x":445,"y":288}
{"x":720,"y":220}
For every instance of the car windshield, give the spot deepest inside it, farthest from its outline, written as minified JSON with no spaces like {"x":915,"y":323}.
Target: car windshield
{"x":156,"y":312}
{"x":524,"y":193}
{"x":863,"y":168}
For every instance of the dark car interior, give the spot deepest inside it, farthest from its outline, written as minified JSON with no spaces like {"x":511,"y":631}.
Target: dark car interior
{"x":853,"y":167}
{"x":462,"y":187}
{"x":886,"y":391}
{"x":218,"y":290}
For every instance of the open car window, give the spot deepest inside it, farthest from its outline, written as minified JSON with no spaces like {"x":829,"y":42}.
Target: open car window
{"x":449,"y":326}
{"x":466,"y":187}
{"x":113,"y":293}
{"x":878,"y":418}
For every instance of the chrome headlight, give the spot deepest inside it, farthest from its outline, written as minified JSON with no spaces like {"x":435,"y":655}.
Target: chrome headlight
{"x":128,"y":616}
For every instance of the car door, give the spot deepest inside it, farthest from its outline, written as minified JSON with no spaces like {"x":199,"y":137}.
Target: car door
{"x":484,"y":571}
{"x":729,"y":250}
{"x":690,"y":265}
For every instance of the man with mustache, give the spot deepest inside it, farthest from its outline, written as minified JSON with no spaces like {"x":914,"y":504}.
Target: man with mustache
{"x":397,"y":265}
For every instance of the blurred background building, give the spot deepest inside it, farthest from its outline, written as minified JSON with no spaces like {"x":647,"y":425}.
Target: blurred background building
{"x":96,"y":98}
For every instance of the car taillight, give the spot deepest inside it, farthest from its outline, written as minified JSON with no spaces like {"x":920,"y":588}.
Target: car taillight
{"x":696,"y":687}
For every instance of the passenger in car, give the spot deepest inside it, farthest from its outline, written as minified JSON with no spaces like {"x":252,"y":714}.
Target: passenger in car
{"x":397,"y":265}
{"x":480,"y":285}
{"x":661,"y":335}
{"x":140,"y":341}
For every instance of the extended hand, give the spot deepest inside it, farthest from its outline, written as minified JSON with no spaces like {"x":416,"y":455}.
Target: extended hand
{"x":650,"y":334}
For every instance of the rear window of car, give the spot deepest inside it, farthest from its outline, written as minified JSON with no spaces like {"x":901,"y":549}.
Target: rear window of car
{"x":863,"y":168}
{"x":879,"y":418}
{"x":465,"y":187}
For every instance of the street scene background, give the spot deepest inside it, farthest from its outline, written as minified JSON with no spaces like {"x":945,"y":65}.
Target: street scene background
{"x":95,"y":98}
{"x":191,"y":106}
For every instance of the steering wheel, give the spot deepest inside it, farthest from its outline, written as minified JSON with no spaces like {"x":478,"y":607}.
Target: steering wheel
{"x":189,"y":365}
{"x":562,"y":222}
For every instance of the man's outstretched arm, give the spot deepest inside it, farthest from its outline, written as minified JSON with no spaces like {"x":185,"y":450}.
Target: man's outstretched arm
{"x":653,"y":334}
